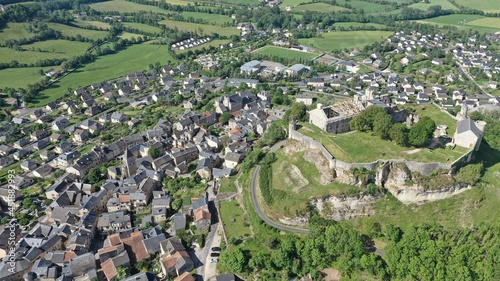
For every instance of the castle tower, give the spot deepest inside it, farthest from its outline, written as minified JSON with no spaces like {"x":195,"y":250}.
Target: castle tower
{"x":292,"y":126}
{"x":129,"y":166}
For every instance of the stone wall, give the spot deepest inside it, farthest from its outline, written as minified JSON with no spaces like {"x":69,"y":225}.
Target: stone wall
{"x":339,"y":166}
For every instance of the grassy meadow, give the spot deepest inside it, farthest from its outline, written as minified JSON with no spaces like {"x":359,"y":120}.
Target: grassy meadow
{"x":201,"y":28}
{"x":235,"y":222}
{"x":21,"y":77}
{"x":284,"y":52}
{"x":467,"y":22}
{"x":352,"y":24}
{"x":210,"y":18}
{"x":123,"y":6}
{"x":74,"y":31}
{"x":319,"y":7}
{"x":69,"y":48}
{"x":15,"y":31}
{"x":91,"y":23}
{"x":7,"y":55}
{"x":134,"y":58}
{"x":445,"y":4}
{"x":345,"y":39}
{"x":142,"y":27}
{"x":361,"y":147}
{"x":488,"y":6}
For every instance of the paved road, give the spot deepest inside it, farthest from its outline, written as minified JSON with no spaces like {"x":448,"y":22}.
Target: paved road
{"x":256,"y":204}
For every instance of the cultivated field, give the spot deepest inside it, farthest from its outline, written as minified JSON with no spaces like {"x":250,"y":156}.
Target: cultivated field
{"x":201,"y":28}
{"x":15,"y":31}
{"x":69,"y":48}
{"x":74,"y":31}
{"x":284,"y":53}
{"x":21,"y":77}
{"x":318,"y":7}
{"x":467,"y":22}
{"x":360,"y":147}
{"x":134,"y":58}
{"x":94,"y":23}
{"x":445,"y":4}
{"x":489,"y":6}
{"x":210,"y":18}
{"x":345,"y":39}
{"x":142,"y":27}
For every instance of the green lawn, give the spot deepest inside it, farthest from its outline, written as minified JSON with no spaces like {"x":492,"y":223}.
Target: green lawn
{"x":7,"y":55}
{"x":210,"y":18}
{"x":467,"y":22}
{"x":235,"y":222}
{"x":215,"y":43}
{"x":445,"y":4}
{"x":94,"y":23}
{"x":437,"y":115}
{"x":74,"y":31}
{"x":201,"y":28}
{"x":360,"y":147}
{"x":15,"y":31}
{"x":319,"y":7}
{"x":345,"y":39}
{"x":227,"y":185}
{"x":70,"y":48}
{"x":284,"y":52}
{"x":134,"y":58}
{"x":21,"y":77}
{"x":489,"y":6}
{"x":142,"y":27}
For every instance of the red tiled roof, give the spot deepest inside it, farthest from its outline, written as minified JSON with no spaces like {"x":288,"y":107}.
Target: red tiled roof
{"x":202,"y":213}
{"x":109,"y":269}
{"x":114,"y":239}
{"x":136,"y":249}
{"x":185,"y":277}
{"x":124,"y":198}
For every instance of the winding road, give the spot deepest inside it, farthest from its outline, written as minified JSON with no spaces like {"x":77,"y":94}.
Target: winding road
{"x":256,"y":203}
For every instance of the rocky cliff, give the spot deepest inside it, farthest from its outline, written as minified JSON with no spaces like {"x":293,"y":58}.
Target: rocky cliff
{"x":345,"y":207}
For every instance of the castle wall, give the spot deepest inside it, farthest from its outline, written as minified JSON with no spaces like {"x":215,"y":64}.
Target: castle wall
{"x":338,"y":165}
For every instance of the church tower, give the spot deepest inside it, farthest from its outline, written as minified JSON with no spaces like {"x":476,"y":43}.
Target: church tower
{"x":130,"y":167}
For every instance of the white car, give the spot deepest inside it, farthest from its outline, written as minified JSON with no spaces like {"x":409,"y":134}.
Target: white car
{"x":214,"y":260}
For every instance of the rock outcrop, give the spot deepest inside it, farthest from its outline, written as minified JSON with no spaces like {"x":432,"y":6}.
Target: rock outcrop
{"x":345,"y":207}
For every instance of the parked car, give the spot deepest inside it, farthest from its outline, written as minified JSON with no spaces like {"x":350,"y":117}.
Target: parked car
{"x":215,"y":249}
{"x":215,"y":254}
{"x":214,"y":260}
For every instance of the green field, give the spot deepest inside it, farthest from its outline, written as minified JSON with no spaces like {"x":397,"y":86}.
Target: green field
{"x":21,"y":77}
{"x":123,"y":6}
{"x":7,"y":55}
{"x":318,"y":7}
{"x":142,"y":27}
{"x":284,"y":52}
{"x":94,"y":23}
{"x":293,"y":3}
{"x":215,"y":43}
{"x":134,"y":58}
{"x":295,"y":181}
{"x":128,"y":35}
{"x":489,"y":6}
{"x":361,"y":147}
{"x":467,"y":22}
{"x":351,"y":24}
{"x":437,"y":115}
{"x":368,"y":7}
{"x":14,"y":31}
{"x":74,"y":31}
{"x":345,"y":39}
{"x":70,"y":48}
{"x":445,"y":4}
{"x":210,"y":18}
{"x":201,"y":28}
